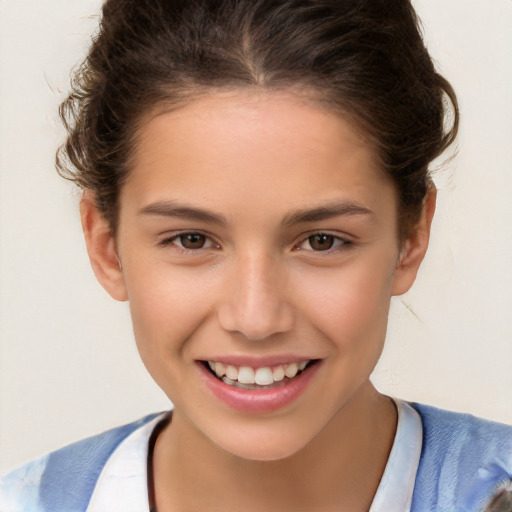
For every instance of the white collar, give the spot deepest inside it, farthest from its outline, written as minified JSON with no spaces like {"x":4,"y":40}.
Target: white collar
{"x":122,"y":484}
{"x":397,"y":483}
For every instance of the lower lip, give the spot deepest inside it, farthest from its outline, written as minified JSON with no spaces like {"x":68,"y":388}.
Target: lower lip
{"x":259,"y":400}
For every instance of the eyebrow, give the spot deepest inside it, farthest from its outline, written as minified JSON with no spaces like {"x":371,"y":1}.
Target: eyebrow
{"x":321,"y":212}
{"x":326,"y":211}
{"x":174,"y":209}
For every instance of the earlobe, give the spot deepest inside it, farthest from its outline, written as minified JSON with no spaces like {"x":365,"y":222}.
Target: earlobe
{"x":415,"y":247}
{"x":101,"y":248}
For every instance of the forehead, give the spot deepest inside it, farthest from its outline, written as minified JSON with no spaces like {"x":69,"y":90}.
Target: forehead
{"x":293,"y":120}
{"x":256,"y":147}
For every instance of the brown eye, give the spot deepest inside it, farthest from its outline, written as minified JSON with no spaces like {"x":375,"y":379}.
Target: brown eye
{"x":324,"y":242}
{"x":192,"y":240}
{"x":321,"y":242}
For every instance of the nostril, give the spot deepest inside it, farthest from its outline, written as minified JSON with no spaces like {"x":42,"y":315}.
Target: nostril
{"x":257,"y":325}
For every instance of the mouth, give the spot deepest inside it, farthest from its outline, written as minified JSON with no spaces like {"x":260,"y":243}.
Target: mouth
{"x":259,"y":378}
{"x":259,"y":389}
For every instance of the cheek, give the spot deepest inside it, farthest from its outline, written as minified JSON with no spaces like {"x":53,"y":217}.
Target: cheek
{"x":351,"y":307}
{"x":166,"y":308}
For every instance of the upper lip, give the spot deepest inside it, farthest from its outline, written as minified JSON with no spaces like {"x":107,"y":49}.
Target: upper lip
{"x":258,"y":362}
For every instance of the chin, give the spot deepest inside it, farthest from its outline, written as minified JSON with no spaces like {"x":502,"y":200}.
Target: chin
{"x":262,"y":447}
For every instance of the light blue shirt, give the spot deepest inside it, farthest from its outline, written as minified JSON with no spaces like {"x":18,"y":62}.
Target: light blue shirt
{"x":440,"y":461}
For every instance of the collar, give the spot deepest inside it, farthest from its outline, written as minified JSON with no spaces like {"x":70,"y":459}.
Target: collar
{"x":397,"y":484}
{"x":122,"y":484}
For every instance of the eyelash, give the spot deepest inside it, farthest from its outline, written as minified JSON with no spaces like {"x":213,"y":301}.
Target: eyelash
{"x":338,"y":243}
{"x":175,"y":240}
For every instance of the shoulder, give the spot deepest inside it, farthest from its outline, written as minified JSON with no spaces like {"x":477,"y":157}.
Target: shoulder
{"x":65,"y":479}
{"x":464,"y":460}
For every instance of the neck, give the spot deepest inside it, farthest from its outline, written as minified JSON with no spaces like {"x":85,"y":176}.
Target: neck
{"x":342,"y":465}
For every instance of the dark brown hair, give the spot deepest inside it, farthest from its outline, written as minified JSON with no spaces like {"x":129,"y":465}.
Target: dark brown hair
{"x":364,"y":58}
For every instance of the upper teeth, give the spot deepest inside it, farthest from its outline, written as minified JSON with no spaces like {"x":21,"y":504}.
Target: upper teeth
{"x":262,"y":376}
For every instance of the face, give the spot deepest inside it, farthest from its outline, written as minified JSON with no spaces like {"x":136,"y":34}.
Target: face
{"x":258,"y":250}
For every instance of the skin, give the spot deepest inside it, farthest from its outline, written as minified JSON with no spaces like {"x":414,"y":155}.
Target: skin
{"x":259,"y":286}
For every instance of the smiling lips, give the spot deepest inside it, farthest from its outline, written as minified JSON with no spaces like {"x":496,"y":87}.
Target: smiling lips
{"x":261,"y":389}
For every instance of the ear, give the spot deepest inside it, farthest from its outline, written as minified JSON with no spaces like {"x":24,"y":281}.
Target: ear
{"x":415,"y":247}
{"x":101,"y":248}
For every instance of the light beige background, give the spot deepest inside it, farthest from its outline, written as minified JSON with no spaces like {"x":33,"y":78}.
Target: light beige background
{"x":69,"y":367}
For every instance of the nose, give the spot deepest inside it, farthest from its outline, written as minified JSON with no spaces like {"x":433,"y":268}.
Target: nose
{"x":254,"y":301}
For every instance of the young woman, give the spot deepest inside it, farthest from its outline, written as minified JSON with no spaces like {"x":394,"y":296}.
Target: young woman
{"x":255,"y":183}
